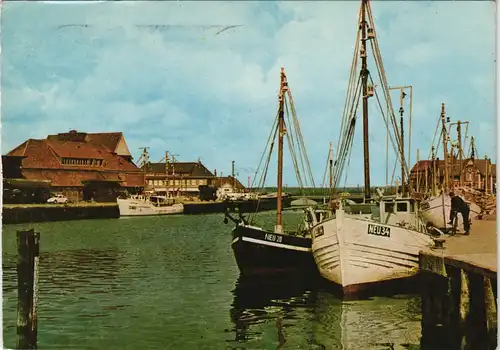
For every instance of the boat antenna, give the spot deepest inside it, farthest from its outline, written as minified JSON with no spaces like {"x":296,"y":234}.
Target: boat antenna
{"x":445,"y":147}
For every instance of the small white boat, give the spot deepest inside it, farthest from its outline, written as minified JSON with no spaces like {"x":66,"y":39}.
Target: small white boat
{"x":437,"y":209}
{"x":356,"y":252}
{"x":140,"y":205}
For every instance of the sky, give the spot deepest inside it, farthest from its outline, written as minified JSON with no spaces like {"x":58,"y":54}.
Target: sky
{"x":171,"y":77}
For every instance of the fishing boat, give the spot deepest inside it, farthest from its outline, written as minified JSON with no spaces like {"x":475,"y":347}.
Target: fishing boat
{"x":261,"y":250}
{"x":437,"y":208}
{"x":359,"y":251}
{"x":145,"y":205}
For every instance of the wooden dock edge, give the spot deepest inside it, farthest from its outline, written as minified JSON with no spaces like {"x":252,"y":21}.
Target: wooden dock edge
{"x":459,"y":302}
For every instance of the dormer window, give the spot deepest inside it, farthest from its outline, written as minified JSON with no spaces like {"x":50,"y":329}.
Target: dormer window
{"x":86,"y":162}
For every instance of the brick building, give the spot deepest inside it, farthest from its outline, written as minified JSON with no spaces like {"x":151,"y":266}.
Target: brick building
{"x":183,"y":177}
{"x":479,"y":174}
{"x":178,"y":177}
{"x":81,"y":165}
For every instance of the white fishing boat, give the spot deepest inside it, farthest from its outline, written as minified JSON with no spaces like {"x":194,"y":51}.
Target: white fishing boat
{"x":144,"y":205}
{"x":356,"y":251}
{"x":436,"y":210}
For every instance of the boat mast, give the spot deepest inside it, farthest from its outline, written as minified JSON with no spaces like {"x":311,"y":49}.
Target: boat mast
{"x":459,"y":133}
{"x":144,"y":163}
{"x":281,"y":125}
{"x":364,"y":81}
{"x":433,"y":184}
{"x":331,"y":171}
{"x":445,"y":148}
{"x":167,"y":182}
{"x":401,"y":113}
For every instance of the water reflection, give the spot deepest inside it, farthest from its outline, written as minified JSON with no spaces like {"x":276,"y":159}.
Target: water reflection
{"x":271,"y":312}
{"x":73,"y":283}
{"x":67,"y":271}
{"x":378,"y":323}
{"x":258,"y":298}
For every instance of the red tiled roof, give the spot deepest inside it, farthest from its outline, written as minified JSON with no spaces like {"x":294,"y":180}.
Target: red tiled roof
{"x":422,"y":165}
{"x":47,"y":154}
{"x":480,"y":164}
{"x":81,"y":150}
{"x":43,"y":160}
{"x":109,"y":140}
{"x":193,"y":169}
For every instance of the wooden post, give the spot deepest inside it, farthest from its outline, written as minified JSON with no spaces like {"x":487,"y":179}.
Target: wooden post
{"x":27,"y":277}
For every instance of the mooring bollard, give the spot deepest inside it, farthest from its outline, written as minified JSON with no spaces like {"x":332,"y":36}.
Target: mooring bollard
{"x":27,"y":288}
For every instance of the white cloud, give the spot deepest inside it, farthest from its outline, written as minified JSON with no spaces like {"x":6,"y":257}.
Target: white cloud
{"x":161,"y":74}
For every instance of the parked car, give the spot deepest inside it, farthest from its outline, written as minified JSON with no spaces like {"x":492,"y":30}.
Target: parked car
{"x":58,"y":199}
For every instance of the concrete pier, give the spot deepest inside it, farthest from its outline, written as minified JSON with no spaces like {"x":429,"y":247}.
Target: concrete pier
{"x":459,"y":290}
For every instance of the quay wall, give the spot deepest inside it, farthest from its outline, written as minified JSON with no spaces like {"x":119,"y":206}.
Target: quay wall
{"x":459,"y":291}
{"x":14,"y":214}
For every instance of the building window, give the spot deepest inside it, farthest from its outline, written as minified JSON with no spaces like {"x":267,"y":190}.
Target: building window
{"x":150,"y":182}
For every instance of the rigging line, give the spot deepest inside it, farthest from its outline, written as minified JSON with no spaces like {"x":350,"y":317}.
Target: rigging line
{"x":434,"y":138}
{"x":287,"y":112}
{"x":381,"y":71}
{"x":296,"y":126}
{"x":264,"y":175}
{"x":323,"y":184}
{"x":391,"y":116}
{"x":296,"y":165}
{"x":465,"y":139}
{"x":346,"y":135}
{"x":348,"y":161}
{"x":301,"y":145}
{"x":394,"y":171}
{"x":330,"y":156}
{"x":395,"y":130}
{"x":438,"y":145}
{"x":273,"y":128}
{"x":292,"y":151}
{"x":385,"y":121}
{"x":352,"y":76}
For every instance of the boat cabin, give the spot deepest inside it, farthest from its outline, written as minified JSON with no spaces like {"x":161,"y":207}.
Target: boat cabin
{"x":161,"y":201}
{"x":394,"y":211}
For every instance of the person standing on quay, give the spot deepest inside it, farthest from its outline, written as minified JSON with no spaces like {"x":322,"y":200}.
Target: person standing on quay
{"x":458,"y":205}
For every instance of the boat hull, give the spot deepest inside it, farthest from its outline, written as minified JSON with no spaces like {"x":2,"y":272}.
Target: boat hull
{"x":130,"y":207}
{"x":259,"y":251}
{"x":432,"y":211}
{"x":357,"y":254}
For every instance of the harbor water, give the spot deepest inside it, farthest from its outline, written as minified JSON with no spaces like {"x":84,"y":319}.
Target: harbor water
{"x":172,"y":283}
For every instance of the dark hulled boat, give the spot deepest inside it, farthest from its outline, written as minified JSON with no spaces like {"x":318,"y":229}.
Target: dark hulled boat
{"x":258,"y":250}
{"x":261,"y":251}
